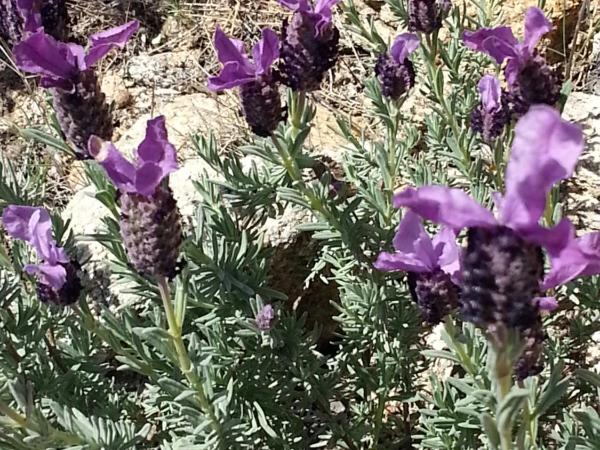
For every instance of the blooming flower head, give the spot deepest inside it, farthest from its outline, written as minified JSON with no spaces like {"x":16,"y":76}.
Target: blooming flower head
{"x":265,"y":318}
{"x":258,"y":87}
{"x":58,"y":280}
{"x":156,"y":158}
{"x":60,"y":64}
{"x":426,"y":16}
{"x":492,"y":114}
{"x":503,"y":264}
{"x":395,"y":71}
{"x":433,"y":266}
{"x":309,"y":44}
{"x":528,"y":75}
{"x":150,"y":222}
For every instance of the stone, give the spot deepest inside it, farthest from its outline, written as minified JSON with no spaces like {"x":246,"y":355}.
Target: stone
{"x":583,"y":190}
{"x":115,"y":90}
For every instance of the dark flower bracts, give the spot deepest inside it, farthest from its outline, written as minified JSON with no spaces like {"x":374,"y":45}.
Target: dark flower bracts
{"x":309,"y":45}
{"x":150,"y":221}
{"x":259,"y":92}
{"x":531,"y":81}
{"x":395,"y":72}
{"x":433,"y":266}
{"x":58,"y":280}
{"x":426,"y":16}
{"x":67,"y":69}
{"x":493,"y":113}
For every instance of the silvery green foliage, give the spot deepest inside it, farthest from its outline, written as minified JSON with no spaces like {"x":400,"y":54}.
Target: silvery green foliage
{"x":99,"y":377}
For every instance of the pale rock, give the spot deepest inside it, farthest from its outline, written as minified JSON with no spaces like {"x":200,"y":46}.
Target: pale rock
{"x":115,"y":90}
{"x":583,"y":200}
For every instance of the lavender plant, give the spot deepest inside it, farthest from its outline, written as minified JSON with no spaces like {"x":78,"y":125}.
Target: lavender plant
{"x":213,"y":356}
{"x":66,"y":69}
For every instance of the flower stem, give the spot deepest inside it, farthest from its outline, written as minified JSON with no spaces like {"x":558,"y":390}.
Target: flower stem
{"x":185,"y":364}
{"x":297,"y":112}
{"x":503,"y":379}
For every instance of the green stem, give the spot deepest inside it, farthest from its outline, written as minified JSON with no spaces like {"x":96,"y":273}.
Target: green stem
{"x":296,"y":112}
{"x":459,"y":348}
{"x":288,"y":161}
{"x":503,"y":377}
{"x":185,"y":364}
{"x":378,"y":420}
{"x":55,"y":436}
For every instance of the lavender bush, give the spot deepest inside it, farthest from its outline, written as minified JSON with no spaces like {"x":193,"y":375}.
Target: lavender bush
{"x":451,"y":224}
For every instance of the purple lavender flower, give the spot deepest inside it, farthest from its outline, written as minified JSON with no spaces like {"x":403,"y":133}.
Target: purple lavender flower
{"x":433,"y":266}
{"x":493,"y":113}
{"x":309,"y":44}
{"x":57,"y":277}
{"x":67,"y":69}
{"x":395,"y":71}
{"x":503,"y":265}
{"x":258,"y":88}
{"x":530,"y":79}
{"x":426,"y":16}
{"x":150,"y":221}
{"x":580,"y":257}
{"x":265,"y":318}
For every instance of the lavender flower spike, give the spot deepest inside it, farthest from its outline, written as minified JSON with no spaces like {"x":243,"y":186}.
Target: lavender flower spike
{"x":502,"y":265}
{"x":426,"y":16}
{"x":492,"y":114}
{"x":395,"y":71}
{"x":258,"y":88}
{"x":309,"y":44}
{"x":150,"y":221}
{"x":67,"y":69}
{"x":530,"y":79}
{"x":57,"y":276}
{"x":433,"y":266}
{"x":265,"y":318}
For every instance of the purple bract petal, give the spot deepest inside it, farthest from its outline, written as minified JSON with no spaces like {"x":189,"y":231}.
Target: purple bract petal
{"x":232,"y":75}
{"x":404,"y":45}
{"x":580,"y":257}
{"x":42,"y":54}
{"x":34,"y":226}
{"x":536,"y":25}
{"x":53,"y":275}
{"x":446,"y":206}
{"x":547,"y":303}
{"x":491,"y":93}
{"x":156,"y":159}
{"x":499,"y":43}
{"x":102,"y":43}
{"x":30,"y":12}
{"x":447,"y":253}
{"x":266,"y":51}
{"x":156,"y":148}
{"x":296,"y":5}
{"x":545,"y":151}
{"x":120,"y":171}
{"x":231,"y":50}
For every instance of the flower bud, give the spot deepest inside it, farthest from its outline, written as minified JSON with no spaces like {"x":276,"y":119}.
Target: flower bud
{"x":151,"y":231}
{"x":83,"y":112}
{"x":501,"y":278}
{"x":529,"y":362}
{"x":535,"y":83}
{"x":435,"y":293}
{"x":66,"y":295}
{"x":261,"y":105}
{"x":308,"y":51}
{"x":426,"y":16}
